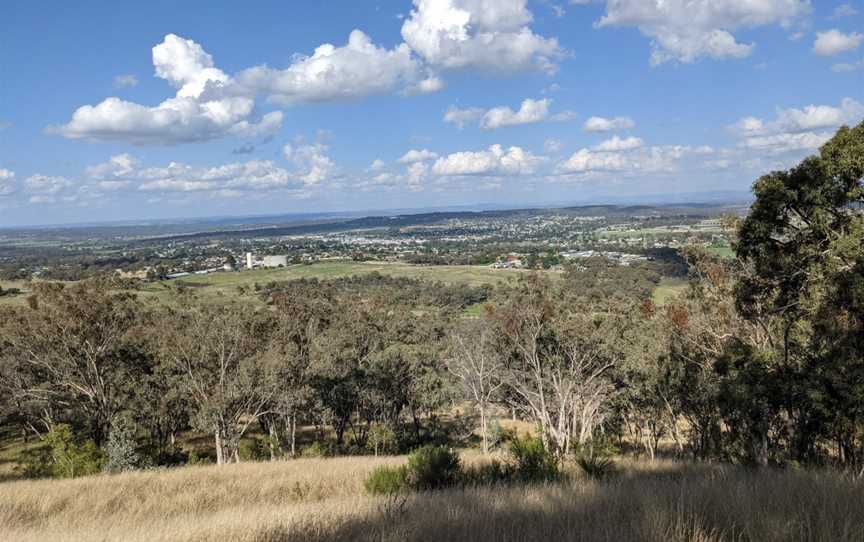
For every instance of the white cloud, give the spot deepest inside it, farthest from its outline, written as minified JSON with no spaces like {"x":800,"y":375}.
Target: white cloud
{"x":188,"y":117}
{"x":782,"y":143}
{"x":490,"y":35}
{"x":125,"y":81}
{"x":359,"y":68}
{"x":7,"y":186}
{"x":618,"y":144}
{"x":794,"y":130}
{"x":809,"y":118}
{"x":46,"y":184}
{"x":494,"y":162}
{"x":834,"y":42}
{"x":601,"y":124}
{"x":461,"y":117}
{"x":637,"y":160}
{"x":414,"y":155}
{"x":530,"y":112}
{"x":377,"y":165}
{"x":315,"y":166}
{"x":687,"y":30}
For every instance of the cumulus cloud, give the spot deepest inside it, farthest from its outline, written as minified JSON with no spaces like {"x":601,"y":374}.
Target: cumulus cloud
{"x":688,"y":30}
{"x":187,"y":117}
{"x":356,"y":69}
{"x":495,"y":161}
{"x":490,"y":35}
{"x":461,"y":117}
{"x":632,"y":161}
{"x":530,"y":112}
{"x":834,"y":42}
{"x":808,"y":118}
{"x":414,"y":155}
{"x":618,"y":144}
{"x":601,"y":124}
{"x":7,"y":179}
{"x":552,"y":146}
{"x":797,"y":129}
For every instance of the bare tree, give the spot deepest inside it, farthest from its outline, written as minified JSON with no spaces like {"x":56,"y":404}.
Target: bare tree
{"x":480,"y":369}
{"x":220,"y":354}
{"x":557,"y":364}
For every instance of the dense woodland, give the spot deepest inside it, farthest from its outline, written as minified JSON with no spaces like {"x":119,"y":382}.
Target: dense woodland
{"x":760,"y":361}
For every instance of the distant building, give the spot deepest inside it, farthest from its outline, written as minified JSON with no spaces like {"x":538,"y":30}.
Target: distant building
{"x":274,"y":261}
{"x":249,"y":263}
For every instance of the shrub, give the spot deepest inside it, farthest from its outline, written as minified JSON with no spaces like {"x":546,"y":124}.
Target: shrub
{"x":499,"y":435}
{"x":253,"y":450}
{"x":70,"y":458}
{"x":433,"y":467}
{"x":533,"y":462}
{"x":595,"y":466}
{"x":388,"y":481}
{"x":121,"y":447}
{"x":317,"y":449}
{"x":487,"y":474}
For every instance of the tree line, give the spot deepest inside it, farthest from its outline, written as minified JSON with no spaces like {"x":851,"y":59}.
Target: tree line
{"x":758,"y":361}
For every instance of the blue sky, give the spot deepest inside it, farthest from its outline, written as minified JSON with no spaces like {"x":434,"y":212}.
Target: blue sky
{"x":118,"y":111}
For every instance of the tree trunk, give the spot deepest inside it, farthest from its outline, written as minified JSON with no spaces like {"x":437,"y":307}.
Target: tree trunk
{"x":293,"y":435}
{"x":483,"y":430}
{"x":220,"y":459}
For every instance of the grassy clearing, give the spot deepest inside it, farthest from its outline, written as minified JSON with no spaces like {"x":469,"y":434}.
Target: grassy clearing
{"x":668,"y":288}
{"x":227,"y":284}
{"x":723,"y":252}
{"x":323,"y":499}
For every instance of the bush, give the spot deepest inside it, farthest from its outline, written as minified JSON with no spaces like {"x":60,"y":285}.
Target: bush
{"x":533,"y":462}
{"x":388,"y":481}
{"x":253,"y":450}
{"x":317,"y":449}
{"x":433,"y":467}
{"x":121,"y":448}
{"x":595,"y":466}
{"x":70,"y":458}
{"x":488,"y":474}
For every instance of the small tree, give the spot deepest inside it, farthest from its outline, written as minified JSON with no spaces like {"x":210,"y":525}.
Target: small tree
{"x":479,"y":368}
{"x":121,"y":447}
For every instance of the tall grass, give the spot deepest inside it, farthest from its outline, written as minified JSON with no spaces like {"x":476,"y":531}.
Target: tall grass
{"x":324,"y":499}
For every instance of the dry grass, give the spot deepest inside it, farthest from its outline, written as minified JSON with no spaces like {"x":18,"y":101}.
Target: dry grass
{"x":323,"y":499}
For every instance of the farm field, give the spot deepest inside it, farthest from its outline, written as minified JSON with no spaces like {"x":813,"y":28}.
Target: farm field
{"x":324,"y":499}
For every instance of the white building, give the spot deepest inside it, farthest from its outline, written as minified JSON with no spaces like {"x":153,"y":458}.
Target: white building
{"x":275,"y":261}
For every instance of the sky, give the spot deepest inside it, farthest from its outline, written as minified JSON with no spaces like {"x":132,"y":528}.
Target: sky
{"x":151,"y":110}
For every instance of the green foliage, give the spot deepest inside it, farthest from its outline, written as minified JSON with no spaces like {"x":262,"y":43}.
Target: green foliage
{"x":388,"y":481}
{"x":486,"y":474}
{"x":69,"y":457}
{"x":433,"y":467}
{"x":317,"y":449}
{"x":253,"y":450}
{"x":533,"y":462}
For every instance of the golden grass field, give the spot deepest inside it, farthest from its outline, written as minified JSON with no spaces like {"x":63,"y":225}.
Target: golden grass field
{"x":323,"y":500}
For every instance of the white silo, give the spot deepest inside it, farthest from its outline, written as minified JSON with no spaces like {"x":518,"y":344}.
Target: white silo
{"x":249,"y":260}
